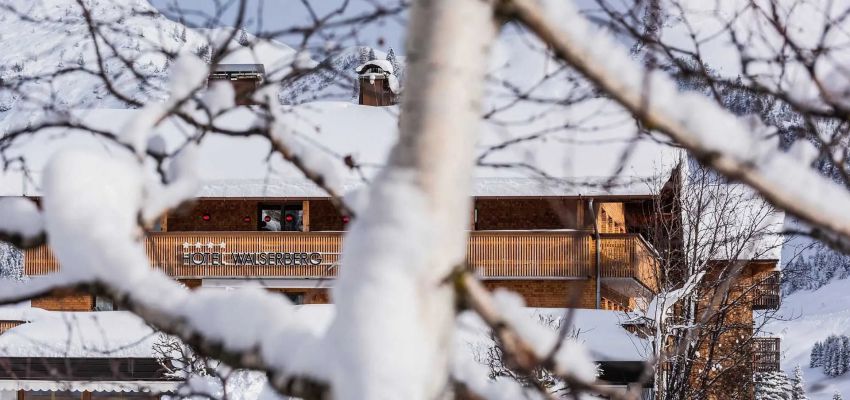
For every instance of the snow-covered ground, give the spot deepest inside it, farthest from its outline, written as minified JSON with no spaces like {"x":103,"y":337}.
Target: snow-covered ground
{"x":809,"y":316}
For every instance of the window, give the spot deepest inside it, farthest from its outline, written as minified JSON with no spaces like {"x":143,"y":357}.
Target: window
{"x":287,"y":217}
{"x":295,"y":297}
{"x":103,"y":304}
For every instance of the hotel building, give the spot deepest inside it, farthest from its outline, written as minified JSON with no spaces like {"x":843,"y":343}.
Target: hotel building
{"x":579,"y":240}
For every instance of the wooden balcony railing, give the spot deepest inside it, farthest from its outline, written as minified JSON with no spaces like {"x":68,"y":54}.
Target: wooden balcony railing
{"x":766,"y":293}
{"x":491,"y":254}
{"x":629,"y":256}
{"x":766,"y":352}
{"x":516,"y":254}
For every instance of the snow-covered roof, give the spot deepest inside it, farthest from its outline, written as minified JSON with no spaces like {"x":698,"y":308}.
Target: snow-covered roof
{"x":565,"y":162}
{"x":119,"y":334}
{"x":85,"y":386}
{"x":382,"y":64}
{"x":600,"y":331}
{"x":239,"y":68}
{"x":114,"y":334}
{"x":20,"y":312}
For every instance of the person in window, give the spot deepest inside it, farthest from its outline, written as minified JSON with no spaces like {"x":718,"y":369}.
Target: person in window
{"x":270,"y":220}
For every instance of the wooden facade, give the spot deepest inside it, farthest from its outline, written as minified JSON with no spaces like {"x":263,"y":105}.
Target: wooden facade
{"x":491,"y":254}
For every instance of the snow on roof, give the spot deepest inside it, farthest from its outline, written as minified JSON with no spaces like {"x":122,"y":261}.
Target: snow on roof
{"x":121,"y":334}
{"x":382,"y":64}
{"x":599,"y":330}
{"x":20,"y":312}
{"x":116,"y":334}
{"x":84,"y":386}
{"x":276,"y":58}
{"x":239,"y":68}
{"x":565,"y":162}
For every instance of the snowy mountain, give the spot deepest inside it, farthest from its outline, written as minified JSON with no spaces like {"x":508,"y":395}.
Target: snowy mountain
{"x":807,"y":317}
{"x":52,"y":55}
{"x":50,"y":51}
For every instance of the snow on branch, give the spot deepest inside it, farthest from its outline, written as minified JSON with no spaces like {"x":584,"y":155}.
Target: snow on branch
{"x":526,"y":347}
{"x":21,"y":222}
{"x":734,"y":147}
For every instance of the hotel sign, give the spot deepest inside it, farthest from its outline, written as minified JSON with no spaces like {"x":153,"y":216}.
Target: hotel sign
{"x":215,"y":254}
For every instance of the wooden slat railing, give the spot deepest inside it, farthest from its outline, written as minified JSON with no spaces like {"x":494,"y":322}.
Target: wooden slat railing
{"x":766,"y":293}
{"x":766,"y":352}
{"x":491,"y":254}
{"x":627,"y":255}
{"x":515,"y":254}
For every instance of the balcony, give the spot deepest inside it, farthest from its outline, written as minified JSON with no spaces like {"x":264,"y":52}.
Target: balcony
{"x":766,"y":293}
{"x":491,"y":254}
{"x":766,"y":354}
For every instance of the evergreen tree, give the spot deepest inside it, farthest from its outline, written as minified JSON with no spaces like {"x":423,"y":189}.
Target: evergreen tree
{"x":815,"y":360}
{"x":798,"y":390}
{"x":11,"y":262}
{"x":831,"y":367}
{"x":364,"y":55}
{"x":204,"y":53}
{"x":844,"y":356}
{"x":372,"y":55}
{"x":243,"y":37}
{"x":837,"y":396}
{"x":772,"y":386}
{"x":393,"y":61}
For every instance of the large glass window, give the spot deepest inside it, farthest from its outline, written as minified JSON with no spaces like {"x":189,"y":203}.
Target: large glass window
{"x":286,"y":217}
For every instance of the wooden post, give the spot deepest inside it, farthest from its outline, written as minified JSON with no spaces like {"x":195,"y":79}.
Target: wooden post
{"x":21,"y":395}
{"x":86,"y":395}
{"x":305,"y":218}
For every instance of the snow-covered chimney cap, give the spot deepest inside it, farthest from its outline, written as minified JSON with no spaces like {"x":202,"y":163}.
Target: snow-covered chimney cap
{"x":385,"y":65}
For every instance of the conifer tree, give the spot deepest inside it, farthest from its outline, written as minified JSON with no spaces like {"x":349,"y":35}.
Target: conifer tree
{"x":243,"y":37}
{"x":844,"y":355}
{"x":798,"y":390}
{"x":837,"y":396}
{"x":364,"y":55}
{"x":834,"y":356}
{"x":393,"y":61}
{"x":11,"y":262}
{"x":372,"y":55}
{"x":772,"y":386}
{"x":815,"y":358}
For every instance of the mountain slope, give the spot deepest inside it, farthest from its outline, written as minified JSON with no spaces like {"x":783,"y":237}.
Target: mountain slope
{"x":809,"y":316}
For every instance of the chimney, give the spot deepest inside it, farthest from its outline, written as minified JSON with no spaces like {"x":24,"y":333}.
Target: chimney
{"x":245,"y":78}
{"x":378,"y":84}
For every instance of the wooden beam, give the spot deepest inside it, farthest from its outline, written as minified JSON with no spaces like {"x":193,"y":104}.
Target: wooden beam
{"x":305,"y":219}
